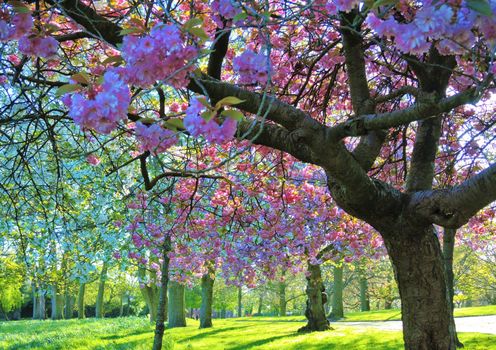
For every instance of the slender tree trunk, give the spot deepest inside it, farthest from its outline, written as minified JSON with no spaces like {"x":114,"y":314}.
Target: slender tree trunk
{"x":364,"y":294}
{"x":99,"y":310}
{"x":41,"y":304}
{"x":126,"y":308}
{"x":36,"y":311}
{"x":207,"y":290}
{"x":316,"y":299}
{"x":177,"y":316}
{"x":260,"y":303}
{"x":448,"y":251}
{"x":80,"y":301}
{"x":162,"y":302}
{"x":337,"y":311}
{"x":240,"y":305}
{"x":282,"y":299}
{"x":419,"y":270}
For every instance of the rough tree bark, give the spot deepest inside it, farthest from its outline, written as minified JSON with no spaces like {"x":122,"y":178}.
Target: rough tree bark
{"x":176,"y":312}
{"x":162,"y":303}
{"x":337,"y":311}
{"x":99,"y":310}
{"x":448,"y":251}
{"x":316,"y":299}
{"x":80,"y":300}
{"x":207,"y":290}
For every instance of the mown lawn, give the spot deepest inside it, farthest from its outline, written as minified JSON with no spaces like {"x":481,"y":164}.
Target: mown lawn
{"x":234,"y":334}
{"x":395,"y":314}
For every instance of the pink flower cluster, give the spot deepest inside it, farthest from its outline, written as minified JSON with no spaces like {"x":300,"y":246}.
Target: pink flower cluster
{"x":154,"y":138}
{"x":451,"y":30}
{"x":213,"y":132}
{"x":251,"y":67}
{"x":161,"y":55}
{"x":37,"y":46}
{"x":103,"y":112}
{"x":21,"y":24}
{"x":225,"y":8}
{"x":333,"y":7}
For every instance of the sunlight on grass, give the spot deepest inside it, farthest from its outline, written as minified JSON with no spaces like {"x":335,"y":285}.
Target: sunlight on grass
{"x":395,"y":314}
{"x":262,"y":333}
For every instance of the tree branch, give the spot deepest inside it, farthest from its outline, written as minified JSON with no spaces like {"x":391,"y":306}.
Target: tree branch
{"x":422,"y":110}
{"x":453,"y":207}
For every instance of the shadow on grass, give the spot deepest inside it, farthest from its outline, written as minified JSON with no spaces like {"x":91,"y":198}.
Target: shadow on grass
{"x":269,"y":321}
{"x":260,"y":342}
{"x":209,"y":333}
{"x":119,"y":336}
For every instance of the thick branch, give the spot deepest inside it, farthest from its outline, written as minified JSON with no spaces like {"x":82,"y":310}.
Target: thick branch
{"x":96,"y":25}
{"x":419,"y":111}
{"x":452,"y":208}
{"x":219,"y":51}
{"x":281,"y":113}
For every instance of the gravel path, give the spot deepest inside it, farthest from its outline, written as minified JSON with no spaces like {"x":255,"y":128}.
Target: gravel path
{"x":478,"y":324}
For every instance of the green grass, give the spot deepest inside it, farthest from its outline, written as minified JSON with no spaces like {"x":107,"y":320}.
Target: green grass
{"x":395,"y":314}
{"x":262,"y":333}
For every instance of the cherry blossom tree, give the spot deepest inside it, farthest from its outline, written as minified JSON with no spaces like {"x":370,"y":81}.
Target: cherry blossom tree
{"x":372,"y":92}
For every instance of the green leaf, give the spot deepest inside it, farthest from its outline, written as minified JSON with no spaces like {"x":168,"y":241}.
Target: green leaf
{"x":193,"y":22}
{"x":199,"y":33}
{"x":208,"y":115}
{"x":383,"y":3}
{"x":64,"y":89}
{"x":228,"y":101}
{"x":174,"y":124}
{"x":117,"y":59}
{"x":131,"y":30}
{"x":233,"y":114}
{"x":481,"y":6}
{"x":82,"y":78}
{"x":240,"y":16}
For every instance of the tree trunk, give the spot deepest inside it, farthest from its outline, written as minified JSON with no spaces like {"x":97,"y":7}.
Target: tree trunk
{"x":177,"y":316}
{"x":419,"y":270}
{"x":337,"y":311}
{"x":80,"y":301}
{"x":16,"y":315}
{"x":151,"y":294}
{"x":240,"y":296}
{"x":448,"y":251}
{"x":260,"y":303}
{"x":282,"y":299}
{"x":57,"y":303}
{"x":162,"y":302}
{"x":99,"y":310}
{"x":126,"y":309}
{"x":69,"y":304}
{"x":207,"y":290}
{"x":41,"y":304}
{"x":36,"y":311}
{"x":364,"y":294}
{"x":316,"y":299}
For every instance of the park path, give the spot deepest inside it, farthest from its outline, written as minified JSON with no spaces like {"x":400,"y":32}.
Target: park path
{"x":478,"y":324}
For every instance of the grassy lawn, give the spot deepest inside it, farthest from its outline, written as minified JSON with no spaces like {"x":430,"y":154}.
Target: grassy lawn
{"x":395,"y":314}
{"x":235,"y":334}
